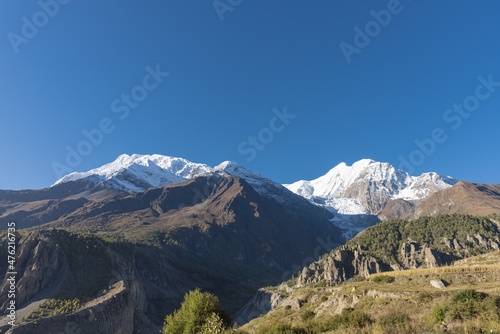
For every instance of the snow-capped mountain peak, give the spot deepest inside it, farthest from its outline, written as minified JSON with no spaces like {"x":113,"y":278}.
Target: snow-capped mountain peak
{"x":356,"y":193}
{"x":135,"y":173}
{"x":141,"y":172}
{"x":369,"y":175}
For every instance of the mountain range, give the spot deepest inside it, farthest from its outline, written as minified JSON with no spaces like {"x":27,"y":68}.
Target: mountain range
{"x":356,"y":196}
{"x":169,"y":225}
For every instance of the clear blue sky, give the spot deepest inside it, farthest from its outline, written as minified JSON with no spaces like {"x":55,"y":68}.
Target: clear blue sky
{"x":227,"y":76}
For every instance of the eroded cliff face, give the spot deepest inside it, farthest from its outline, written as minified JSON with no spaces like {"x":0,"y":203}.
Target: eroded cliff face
{"x":40,"y":265}
{"x":349,"y":261}
{"x":414,"y":255}
{"x":116,"y":312}
{"x":340,"y":266}
{"x":44,"y":272}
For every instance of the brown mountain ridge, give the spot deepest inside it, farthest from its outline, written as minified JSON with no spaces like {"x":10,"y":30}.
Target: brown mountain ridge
{"x":464,"y":197}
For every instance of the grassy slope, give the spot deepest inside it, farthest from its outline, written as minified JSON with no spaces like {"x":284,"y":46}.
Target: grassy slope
{"x":409,"y":304}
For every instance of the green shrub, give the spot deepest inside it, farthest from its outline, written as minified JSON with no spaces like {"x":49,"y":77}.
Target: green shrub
{"x":349,"y":318}
{"x":58,"y":306}
{"x":292,"y":281}
{"x":468,"y":296}
{"x":308,"y":315}
{"x":354,"y":318}
{"x":383,"y":279}
{"x":196,"y":310}
{"x":469,"y":304}
{"x":396,"y":323}
{"x":439,"y":313}
{"x":466,"y":304}
{"x":492,"y":309}
{"x":284,"y":293}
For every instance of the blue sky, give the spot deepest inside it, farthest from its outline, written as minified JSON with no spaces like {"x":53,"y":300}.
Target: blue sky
{"x":227,"y":76}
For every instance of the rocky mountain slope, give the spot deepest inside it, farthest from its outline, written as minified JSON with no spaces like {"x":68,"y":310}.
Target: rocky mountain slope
{"x":393,"y":245}
{"x":213,"y":231}
{"x":463,"y":197}
{"x":137,"y":173}
{"x":34,"y":207}
{"x":460,"y":298}
{"x":221,"y":223}
{"x":427,"y":242}
{"x":126,"y":176}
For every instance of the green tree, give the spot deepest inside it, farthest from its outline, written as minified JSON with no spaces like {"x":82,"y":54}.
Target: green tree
{"x":196,"y":310}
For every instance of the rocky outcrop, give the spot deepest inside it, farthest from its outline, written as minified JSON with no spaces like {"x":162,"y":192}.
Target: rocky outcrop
{"x":472,"y":242}
{"x":350,"y":261}
{"x":340,"y":266}
{"x":478,"y":239}
{"x":337,"y":302}
{"x":414,"y":255}
{"x":354,"y":259}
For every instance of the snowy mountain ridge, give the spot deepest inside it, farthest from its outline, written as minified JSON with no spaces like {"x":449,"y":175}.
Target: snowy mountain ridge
{"x":137,"y":173}
{"x":344,"y":186}
{"x":141,"y":172}
{"x":342,"y":181}
{"x":355,"y":195}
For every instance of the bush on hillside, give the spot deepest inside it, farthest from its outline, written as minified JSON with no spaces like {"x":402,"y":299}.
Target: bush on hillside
{"x":467,"y":305}
{"x":199,"y":311}
{"x":383,"y":279}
